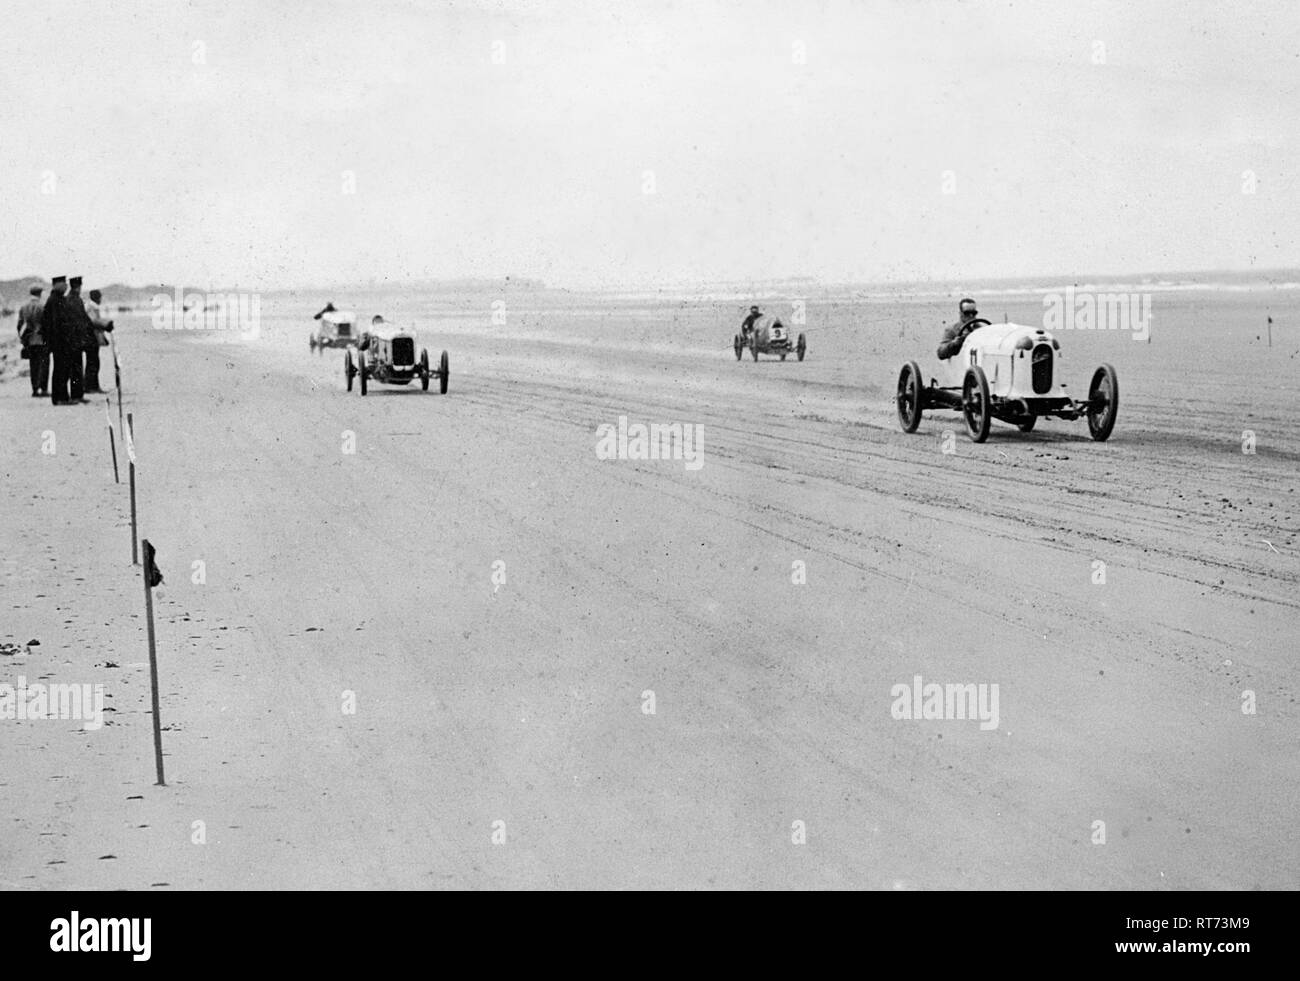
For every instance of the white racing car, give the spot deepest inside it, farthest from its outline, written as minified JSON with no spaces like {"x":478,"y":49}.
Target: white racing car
{"x":769,"y":336}
{"x":386,"y":353}
{"x":1011,"y":373}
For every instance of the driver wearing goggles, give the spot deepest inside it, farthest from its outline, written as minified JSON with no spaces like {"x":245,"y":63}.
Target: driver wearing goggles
{"x":955,"y":335}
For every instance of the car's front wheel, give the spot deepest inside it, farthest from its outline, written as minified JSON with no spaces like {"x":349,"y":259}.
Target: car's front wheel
{"x":424,"y":369}
{"x":361,"y":371}
{"x":801,"y":347}
{"x":975,"y":403}
{"x":349,"y":369}
{"x":1103,"y":403}
{"x":444,"y":372}
{"x":909,"y":397}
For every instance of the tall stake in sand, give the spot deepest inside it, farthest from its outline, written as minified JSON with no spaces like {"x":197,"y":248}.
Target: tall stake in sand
{"x":112,"y":443}
{"x":149,"y":572}
{"x":127,"y":434}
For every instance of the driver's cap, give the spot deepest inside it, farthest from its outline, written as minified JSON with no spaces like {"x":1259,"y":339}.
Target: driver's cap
{"x":968,"y":306}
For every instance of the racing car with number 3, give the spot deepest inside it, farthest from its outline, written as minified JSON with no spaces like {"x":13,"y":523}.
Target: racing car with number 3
{"x":769,"y":335}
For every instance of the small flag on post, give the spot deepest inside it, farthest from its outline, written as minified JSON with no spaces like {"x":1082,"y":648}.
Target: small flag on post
{"x":152,"y":574}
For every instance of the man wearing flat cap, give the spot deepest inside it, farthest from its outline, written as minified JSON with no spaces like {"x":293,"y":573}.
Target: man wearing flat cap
{"x":58,"y":337}
{"x":82,"y":335}
{"x":32,"y":339}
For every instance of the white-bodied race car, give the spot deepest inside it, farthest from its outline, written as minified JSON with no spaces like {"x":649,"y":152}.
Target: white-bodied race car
{"x":386,"y":353}
{"x":1008,"y":372}
{"x":769,"y":336}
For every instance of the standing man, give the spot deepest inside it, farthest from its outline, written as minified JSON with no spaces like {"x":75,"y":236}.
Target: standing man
{"x":58,"y":337}
{"x":82,"y":334}
{"x":99,"y":339}
{"x":33,"y":342}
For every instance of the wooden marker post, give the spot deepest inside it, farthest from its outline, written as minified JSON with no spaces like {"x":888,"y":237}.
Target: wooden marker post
{"x":130,"y":453}
{"x":112,"y":443}
{"x":152,"y":577}
{"x":117,"y":379}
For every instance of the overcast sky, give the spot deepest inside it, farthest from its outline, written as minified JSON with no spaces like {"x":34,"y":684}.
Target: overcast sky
{"x":213,"y":142}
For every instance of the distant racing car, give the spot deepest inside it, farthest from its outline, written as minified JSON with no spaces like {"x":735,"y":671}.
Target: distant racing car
{"x":769,"y":336}
{"x":1011,"y":373}
{"x":334,"y":328}
{"x":386,"y":353}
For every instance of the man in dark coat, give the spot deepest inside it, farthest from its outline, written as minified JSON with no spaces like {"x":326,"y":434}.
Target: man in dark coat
{"x":82,"y":333}
{"x":58,"y":336}
{"x":35,"y":350}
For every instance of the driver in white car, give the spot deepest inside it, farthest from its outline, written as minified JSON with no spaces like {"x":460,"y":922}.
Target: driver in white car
{"x":955,"y":335}
{"x":376,"y":322}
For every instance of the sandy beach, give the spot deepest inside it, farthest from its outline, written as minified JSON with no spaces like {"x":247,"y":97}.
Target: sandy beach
{"x":574,"y":672}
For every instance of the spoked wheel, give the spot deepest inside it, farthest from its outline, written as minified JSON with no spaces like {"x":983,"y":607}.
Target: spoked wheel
{"x":738,"y":344}
{"x":424,"y":369}
{"x":1103,"y":399}
{"x":975,"y":403}
{"x":311,"y":340}
{"x":1026,"y":423}
{"x":361,"y":370}
{"x":443,"y":373}
{"x":349,"y":369}
{"x":909,"y":397}
{"x":801,"y":347}
{"x":753,"y":344}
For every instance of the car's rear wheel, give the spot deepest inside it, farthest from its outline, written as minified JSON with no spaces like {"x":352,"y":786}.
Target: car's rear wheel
{"x":424,"y":369}
{"x":738,"y":344}
{"x":444,"y":372}
{"x":1026,"y":423}
{"x":909,"y":397}
{"x":975,"y":403}
{"x":1103,"y":403}
{"x":801,"y":347}
{"x":361,"y":371}
{"x":349,"y":369}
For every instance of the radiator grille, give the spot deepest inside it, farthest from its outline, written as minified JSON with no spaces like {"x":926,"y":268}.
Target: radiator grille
{"x":1041,"y":369}
{"x":403,"y":349}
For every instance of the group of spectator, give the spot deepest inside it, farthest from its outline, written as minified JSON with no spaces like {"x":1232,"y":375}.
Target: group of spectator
{"x":61,"y":339}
